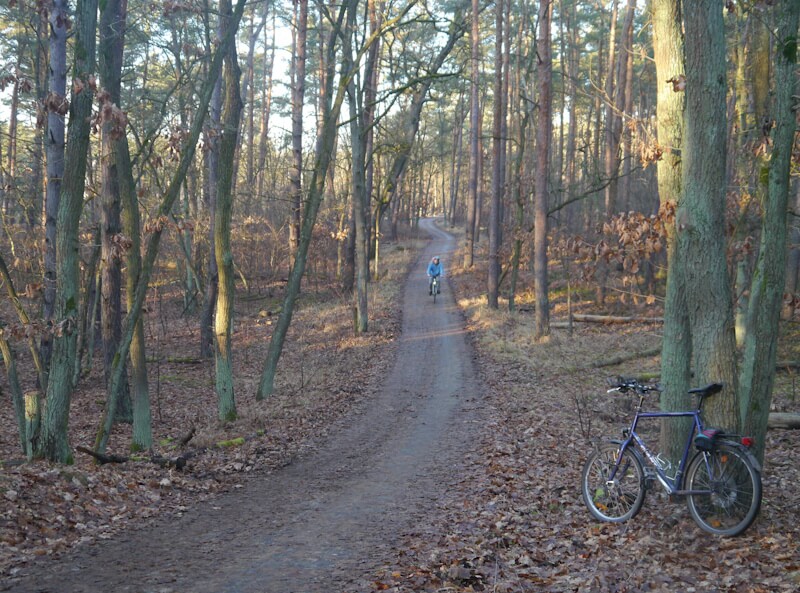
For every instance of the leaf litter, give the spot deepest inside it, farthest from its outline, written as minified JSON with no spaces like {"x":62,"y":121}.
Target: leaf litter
{"x":512,"y":518}
{"x":515,"y":521}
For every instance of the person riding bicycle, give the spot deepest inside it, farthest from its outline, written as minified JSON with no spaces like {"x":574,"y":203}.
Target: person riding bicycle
{"x":435,"y":270}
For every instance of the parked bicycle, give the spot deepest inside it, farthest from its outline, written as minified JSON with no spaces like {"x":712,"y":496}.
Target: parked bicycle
{"x":721,"y":480}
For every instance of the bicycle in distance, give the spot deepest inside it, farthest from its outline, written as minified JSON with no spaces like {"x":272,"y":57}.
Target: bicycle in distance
{"x":717,"y":472}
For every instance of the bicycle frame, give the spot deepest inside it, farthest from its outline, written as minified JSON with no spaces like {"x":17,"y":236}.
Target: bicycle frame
{"x":632,"y":438}
{"x":717,"y":474}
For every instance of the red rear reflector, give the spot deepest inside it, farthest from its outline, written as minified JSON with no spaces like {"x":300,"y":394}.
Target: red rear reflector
{"x":748,"y":441}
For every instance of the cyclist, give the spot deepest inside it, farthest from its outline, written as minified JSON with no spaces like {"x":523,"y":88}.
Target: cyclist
{"x":435,"y":270}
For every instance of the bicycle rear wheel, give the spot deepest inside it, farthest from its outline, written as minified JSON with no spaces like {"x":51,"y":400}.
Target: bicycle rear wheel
{"x":733,"y":488}
{"x":613,"y":493}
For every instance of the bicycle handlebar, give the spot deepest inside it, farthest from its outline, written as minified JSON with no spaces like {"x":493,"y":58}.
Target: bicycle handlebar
{"x":623,"y":384}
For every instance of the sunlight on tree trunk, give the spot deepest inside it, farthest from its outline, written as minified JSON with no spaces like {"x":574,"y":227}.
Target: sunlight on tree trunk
{"x":231,"y":113}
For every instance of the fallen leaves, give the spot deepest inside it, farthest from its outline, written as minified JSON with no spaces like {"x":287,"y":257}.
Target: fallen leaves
{"x":518,"y":522}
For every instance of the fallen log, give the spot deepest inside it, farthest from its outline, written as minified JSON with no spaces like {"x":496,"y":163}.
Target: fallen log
{"x":103,"y":458}
{"x":177,"y":462}
{"x":625,"y":357}
{"x":615,"y":319}
{"x":783,"y":420}
{"x":787,"y":365}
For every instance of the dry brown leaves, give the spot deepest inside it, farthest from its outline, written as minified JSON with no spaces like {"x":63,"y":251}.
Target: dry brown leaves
{"x":514,"y":519}
{"x":45,"y":509}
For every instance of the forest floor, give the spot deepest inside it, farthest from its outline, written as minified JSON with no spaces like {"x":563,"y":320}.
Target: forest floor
{"x":510,"y":517}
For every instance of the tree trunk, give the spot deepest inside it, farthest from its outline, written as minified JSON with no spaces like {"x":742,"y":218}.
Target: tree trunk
{"x":793,"y":258}
{"x":232,"y":109}
{"x":519,"y":213}
{"x":474,"y":134}
{"x":541,"y":197}
{"x":112,"y":41}
{"x":56,"y":105}
{"x":766,"y":291}
{"x":358,"y":177}
{"x":34,"y":213}
{"x":298,"y":96}
{"x":212,"y":173}
{"x":170,"y":196}
{"x":266,"y":99}
{"x":325,"y":143}
{"x":676,"y":348}
{"x":493,"y":280}
{"x":14,"y":388}
{"x":142,"y":434}
{"x":700,"y":218}
{"x":53,"y":443}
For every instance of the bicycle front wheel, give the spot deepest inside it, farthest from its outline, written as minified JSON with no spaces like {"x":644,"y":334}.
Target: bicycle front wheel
{"x":613,"y":492}
{"x":730,"y":488}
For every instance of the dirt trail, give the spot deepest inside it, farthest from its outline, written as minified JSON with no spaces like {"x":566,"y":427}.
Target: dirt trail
{"x":331,"y":517}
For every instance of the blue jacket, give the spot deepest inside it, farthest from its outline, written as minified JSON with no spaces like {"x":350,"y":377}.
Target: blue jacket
{"x":435,"y":269}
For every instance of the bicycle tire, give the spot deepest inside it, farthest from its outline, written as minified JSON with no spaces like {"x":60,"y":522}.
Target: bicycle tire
{"x":735,"y":490}
{"x":614,"y":500}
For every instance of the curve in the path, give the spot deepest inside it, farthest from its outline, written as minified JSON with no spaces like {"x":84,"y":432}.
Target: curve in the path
{"x":330,"y":517}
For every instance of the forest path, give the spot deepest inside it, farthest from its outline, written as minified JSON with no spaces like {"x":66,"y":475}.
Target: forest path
{"x":329,"y":519}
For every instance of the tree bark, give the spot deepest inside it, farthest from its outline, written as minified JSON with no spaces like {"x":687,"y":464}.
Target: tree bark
{"x":231,"y":114}
{"x":474,"y":134}
{"x":53,"y":443}
{"x":212,"y":172}
{"x":56,"y":105}
{"x":358,"y":176}
{"x":170,"y":196}
{"x":493,"y":279}
{"x":541,"y":189}
{"x":298,"y":97}
{"x":676,"y":348}
{"x":325,"y":143}
{"x":112,"y":42}
{"x":700,"y":218}
{"x":766,"y":290}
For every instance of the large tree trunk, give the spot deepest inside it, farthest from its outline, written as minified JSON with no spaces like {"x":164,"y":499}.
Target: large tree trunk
{"x":56,"y":105}
{"x":142,"y":434}
{"x":541,"y":189}
{"x":766,"y":291}
{"x":54,"y":439}
{"x":112,"y":41}
{"x":232,"y":109}
{"x":676,"y":348}
{"x":700,"y":218}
